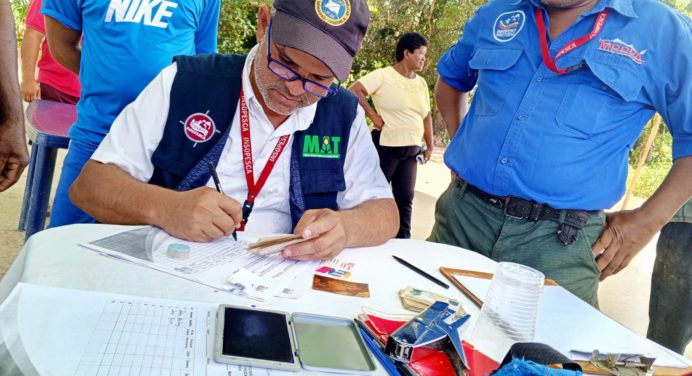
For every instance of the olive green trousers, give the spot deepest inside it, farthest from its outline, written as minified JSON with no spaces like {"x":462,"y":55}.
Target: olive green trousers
{"x":465,"y":220}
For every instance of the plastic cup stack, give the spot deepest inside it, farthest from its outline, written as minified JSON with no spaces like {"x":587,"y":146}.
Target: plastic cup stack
{"x":510,"y":308}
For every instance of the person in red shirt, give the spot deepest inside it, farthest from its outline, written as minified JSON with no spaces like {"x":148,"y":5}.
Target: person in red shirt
{"x":54,"y":82}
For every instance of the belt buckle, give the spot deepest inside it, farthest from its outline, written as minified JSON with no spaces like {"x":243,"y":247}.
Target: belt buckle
{"x":505,"y":206}
{"x":535,"y":213}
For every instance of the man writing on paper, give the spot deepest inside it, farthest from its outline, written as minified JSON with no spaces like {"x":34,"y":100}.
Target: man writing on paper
{"x":292,"y":149}
{"x":565,"y":87}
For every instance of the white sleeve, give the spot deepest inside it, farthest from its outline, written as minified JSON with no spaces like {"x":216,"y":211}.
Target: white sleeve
{"x":138,"y":129}
{"x":364,"y":178}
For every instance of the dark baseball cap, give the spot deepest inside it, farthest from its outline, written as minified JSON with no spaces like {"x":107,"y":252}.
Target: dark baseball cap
{"x":330,"y":30}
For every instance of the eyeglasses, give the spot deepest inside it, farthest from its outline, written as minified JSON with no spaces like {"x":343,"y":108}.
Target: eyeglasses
{"x":285,"y":72}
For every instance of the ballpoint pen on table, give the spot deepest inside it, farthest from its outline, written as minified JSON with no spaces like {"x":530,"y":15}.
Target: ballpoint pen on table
{"x":217,"y":183}
{"x":419,"y":271}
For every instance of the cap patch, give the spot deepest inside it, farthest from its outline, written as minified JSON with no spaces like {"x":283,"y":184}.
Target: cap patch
{"x":333,"y":12}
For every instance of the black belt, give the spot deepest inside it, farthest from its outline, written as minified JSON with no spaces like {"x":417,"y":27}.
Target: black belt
{"x":519,"y":208}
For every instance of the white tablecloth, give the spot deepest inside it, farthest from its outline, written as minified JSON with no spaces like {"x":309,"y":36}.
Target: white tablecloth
{"x":54,"y":257}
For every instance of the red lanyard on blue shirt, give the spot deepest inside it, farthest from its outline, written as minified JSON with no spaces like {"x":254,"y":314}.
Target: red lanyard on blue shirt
{"x":253,"y":189}
{"x":571,"y":46}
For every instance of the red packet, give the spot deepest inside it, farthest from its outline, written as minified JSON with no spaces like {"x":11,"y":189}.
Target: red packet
{"x":479,"y":363}
{"x":425,"y":361}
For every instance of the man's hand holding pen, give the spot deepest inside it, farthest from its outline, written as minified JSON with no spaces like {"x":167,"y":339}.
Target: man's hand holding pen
{"x":200,"y":215}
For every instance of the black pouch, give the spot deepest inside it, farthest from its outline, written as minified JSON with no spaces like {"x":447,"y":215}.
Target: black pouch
{"x":575,"y":220}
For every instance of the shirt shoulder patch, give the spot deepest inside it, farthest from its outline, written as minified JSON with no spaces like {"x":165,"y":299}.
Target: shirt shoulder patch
{"x":508,"y":25}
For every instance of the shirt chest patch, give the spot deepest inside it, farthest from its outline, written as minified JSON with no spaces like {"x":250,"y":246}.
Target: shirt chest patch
{"x":199,"y":127}
{"x":508,"y":25}
{"x":618,"y":47}
{"x":315,"y":146}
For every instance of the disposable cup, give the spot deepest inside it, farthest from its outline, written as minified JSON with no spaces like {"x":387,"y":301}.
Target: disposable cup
{"x":510,"y":308}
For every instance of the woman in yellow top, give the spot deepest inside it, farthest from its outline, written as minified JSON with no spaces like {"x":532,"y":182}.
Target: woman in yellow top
{"x":402,"y":119}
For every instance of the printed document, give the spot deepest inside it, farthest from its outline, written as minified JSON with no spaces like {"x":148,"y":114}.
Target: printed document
{"x":224,"y":264}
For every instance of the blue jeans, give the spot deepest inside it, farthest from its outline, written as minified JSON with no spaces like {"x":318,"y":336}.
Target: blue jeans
{"x":63,"y":211}
{"x":670,"y":306}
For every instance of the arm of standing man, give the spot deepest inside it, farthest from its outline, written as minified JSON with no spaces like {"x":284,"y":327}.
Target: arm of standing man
{"x":207,"y":31}
{"x":359,"y":90}
{"x":64,"y":44}
{"x":34,"y":33}
{"x":628,"y":231}
{"x":31,"y":46}
{"x":453,"y":105}
{"x":13,"y":153}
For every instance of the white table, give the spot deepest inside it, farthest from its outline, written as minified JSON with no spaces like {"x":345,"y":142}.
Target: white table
{"x":53,"y":257}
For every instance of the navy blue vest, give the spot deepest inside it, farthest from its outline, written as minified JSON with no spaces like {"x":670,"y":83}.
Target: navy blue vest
{"x":203,"y":101}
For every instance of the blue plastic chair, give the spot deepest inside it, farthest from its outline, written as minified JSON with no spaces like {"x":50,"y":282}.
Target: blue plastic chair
{"x":49,"y":123}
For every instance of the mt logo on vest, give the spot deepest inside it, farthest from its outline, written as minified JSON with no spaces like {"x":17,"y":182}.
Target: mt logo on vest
{"x":199,"y":127}
{"x":315,"y":146}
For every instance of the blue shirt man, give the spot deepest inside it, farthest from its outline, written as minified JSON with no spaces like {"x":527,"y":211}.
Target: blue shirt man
{"x":125,"y":43}
{"x":562,"y":139}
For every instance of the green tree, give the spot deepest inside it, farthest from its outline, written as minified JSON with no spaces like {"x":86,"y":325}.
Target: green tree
{"x":19,"y":8}
{"x":441,"y":21}
{"x":237,"y":25}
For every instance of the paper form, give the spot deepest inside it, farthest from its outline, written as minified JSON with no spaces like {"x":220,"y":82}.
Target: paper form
{"x":133,"y":338}
{"x":224,"y":264}
{"x":75,"y":332}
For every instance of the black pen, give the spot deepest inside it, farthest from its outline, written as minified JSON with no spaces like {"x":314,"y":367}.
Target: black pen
{"x":217,"y":183}
{"x":424,"y":274}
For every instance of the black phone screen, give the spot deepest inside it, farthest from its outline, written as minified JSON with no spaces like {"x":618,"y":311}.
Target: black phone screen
{"x":256,"y":335}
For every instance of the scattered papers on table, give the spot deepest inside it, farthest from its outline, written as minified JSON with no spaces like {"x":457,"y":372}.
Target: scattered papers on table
{"x":224,"y":264}
{"x":336,"y":268}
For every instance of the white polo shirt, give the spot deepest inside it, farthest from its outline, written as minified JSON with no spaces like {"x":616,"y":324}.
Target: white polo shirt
{"x":139,"y":128}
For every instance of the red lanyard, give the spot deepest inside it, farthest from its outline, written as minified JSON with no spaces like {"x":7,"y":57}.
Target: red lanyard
{"x":571,"y":46}
{"x":253,"y":189}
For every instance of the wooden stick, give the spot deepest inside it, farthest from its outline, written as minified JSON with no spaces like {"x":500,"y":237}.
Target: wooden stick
{"x":642,"y":158}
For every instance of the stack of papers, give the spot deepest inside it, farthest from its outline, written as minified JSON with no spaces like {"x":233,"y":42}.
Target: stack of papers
{"x":224,"y":264}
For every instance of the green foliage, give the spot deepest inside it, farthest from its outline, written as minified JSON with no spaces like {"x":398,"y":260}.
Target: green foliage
{"x":19,"y":8}
{"x":683,"y":6}
{"x":658,"y":161}
{"x":441,"y":21}
{"x":237,"y":25}
{"x":649,"y":179}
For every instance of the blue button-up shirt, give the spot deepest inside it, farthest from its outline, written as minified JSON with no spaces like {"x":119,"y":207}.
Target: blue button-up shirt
{"x":564,"y":140}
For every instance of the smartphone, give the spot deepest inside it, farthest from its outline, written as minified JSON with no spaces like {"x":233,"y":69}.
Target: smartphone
{"x":253,"y":337}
